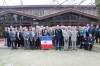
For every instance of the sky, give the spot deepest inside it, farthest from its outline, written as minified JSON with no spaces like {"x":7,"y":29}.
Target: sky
{"x":45,"y":2}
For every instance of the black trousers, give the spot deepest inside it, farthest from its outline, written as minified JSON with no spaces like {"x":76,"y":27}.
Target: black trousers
{"x":13,"y":43}
{"x":62,"y":41}
{"x":90,"y":47}
{"x":69,"y":41}
{"x":22,"y":42}
{"x":33,"y":44}
{"x":18,"y":42}
{"x":87,"y":34}
{"x":78,"y":40}
{"x":8,"y":42}
{"x":81,"y":38}
{"x":53,"y":40}
{"x":82,"y":45}
{"x":38,"y":44}
{"x":86,"y":46}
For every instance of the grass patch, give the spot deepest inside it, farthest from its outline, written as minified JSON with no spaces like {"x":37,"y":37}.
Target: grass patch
{"x":3,"y":64}
{"x":97,"y":44}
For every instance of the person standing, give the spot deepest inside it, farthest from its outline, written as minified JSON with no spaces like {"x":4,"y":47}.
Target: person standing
{"x":74,"y":38}
{"x":8,"y":38}
{"x":21,"y":39}
{"x":26,"y":39}
{"x":88,"y":30}
{"x":38,"y":33}
{"x":58,"y":34}
{"x":32,"y":38}
{"x":13,"y":38}
{"x":96,"y":33}
{"x":46,"y":33}
{"x":66,"y":34}
{"x":5,"y":36}
{"x":82,"y":33}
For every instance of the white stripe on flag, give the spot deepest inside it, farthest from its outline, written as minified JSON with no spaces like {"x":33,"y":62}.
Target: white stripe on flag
{"x":46,"y":42}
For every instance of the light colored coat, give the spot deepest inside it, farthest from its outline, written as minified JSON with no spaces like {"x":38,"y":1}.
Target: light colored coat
{"x":73,"y":35}
{"x":37,"y":35}
{"x":66,"y":34}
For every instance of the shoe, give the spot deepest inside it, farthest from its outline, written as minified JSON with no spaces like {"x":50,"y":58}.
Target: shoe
{"x":16,"y":48}
{"x":4,"y":45}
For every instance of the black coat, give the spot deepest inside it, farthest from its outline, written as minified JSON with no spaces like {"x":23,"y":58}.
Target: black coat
{"x":85,"y":40}
{"x":58,"y":33}
{"x":46,"y":34}
{"x":5,"y":34}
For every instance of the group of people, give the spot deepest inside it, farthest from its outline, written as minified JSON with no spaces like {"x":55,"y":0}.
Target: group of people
{"x":67,"y":36}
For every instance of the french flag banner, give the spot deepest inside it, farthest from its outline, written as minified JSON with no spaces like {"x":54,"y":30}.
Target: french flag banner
{"x":46,"y":42}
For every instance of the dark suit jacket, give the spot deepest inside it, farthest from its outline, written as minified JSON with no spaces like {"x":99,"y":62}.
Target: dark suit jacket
{"x":5,"y":34}
{"x":91,"y":40}
{"x":58,"y":33}
{"x":43,"y":32}
{"x":46,"y":34}
{"x":85,"y":40}
{"x":89,"y":30}
{"x":21,"y":35}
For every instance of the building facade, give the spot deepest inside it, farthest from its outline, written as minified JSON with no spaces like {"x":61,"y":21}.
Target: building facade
{"x":48,"y":15}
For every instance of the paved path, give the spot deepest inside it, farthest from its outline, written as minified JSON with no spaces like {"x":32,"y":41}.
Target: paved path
{"x":52,"y":57}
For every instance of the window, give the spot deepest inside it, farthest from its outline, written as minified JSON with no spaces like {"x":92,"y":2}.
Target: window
{"x":65,"y":16}
{"x":74,"y":17}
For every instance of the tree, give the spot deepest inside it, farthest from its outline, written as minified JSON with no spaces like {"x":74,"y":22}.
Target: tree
{"x":98,"y":7}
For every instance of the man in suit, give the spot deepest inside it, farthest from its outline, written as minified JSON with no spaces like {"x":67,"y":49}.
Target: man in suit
{"x":74,"y":38}
{"x":88,"y":30}
{"x":66,"y":34}
{"x":82,"y":32}
{"x":90,"y":41}
{"x":92,"y":29}
{"x":18,"y":38}
{"x":21,"y":39}
{"x":32,"y":38}
{"x":8,"y":38}
{"x":70,"y":29}
{"x":46,"y":33}
{"x":13,"y":38}
{"x":26,"y":39}
{"x":38,"y":33}
{"x":96,"y":33}
{"x":53,"y":36}
{"x":5,"y":36}
{"x":58,"y":34}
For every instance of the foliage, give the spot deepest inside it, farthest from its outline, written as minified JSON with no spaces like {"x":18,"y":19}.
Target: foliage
{"x":98,"y":7}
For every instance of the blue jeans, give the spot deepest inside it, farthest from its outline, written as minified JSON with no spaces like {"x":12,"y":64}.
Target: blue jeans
{"x":57,"y":44}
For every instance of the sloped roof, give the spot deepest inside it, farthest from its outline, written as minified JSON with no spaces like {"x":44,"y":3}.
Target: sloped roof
{"x":51,"y":15}
{"x":70,"y":10}
{"x":18,"y":12}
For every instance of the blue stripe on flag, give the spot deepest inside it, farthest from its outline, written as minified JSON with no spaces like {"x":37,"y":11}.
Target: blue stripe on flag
{"x":46,"y":38}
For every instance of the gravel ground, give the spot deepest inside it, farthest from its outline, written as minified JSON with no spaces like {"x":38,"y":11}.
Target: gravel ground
{"x":20,"y":57}
{"x":52,"y":57}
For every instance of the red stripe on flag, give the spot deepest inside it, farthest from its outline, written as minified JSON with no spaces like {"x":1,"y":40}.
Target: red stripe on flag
{"x":46,"y":46}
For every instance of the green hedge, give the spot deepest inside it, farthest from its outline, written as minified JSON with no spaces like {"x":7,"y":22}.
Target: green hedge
{"x":98,"y":6}
{"x":1,"y":33}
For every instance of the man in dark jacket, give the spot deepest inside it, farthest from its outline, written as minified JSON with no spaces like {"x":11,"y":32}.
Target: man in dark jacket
{"x":58,"y":34}
{"x":90,"y":41}
{"x":12,"y":35}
